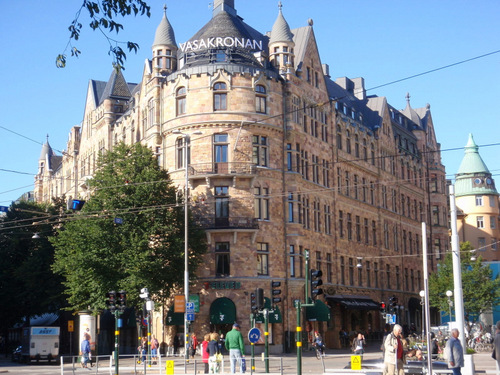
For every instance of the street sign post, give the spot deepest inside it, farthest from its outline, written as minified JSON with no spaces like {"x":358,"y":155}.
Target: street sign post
{"x":254,"y":335}
{"x":190,"y":317}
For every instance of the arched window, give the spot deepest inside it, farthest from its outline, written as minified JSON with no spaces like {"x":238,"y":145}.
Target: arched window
{"x":348,"y":141}
{"x":220,"y":96}
{"x":180,"y":99}
{"x":260,"y":99}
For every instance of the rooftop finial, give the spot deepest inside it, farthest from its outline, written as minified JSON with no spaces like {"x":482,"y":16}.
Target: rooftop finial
{"x":408,"y":97}
{"x":165,"y":9}
{"x":280,"y":6}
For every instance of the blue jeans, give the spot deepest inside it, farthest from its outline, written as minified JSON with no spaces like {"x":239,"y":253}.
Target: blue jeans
{"x":235,"y":356}
{"x":456,"y":370}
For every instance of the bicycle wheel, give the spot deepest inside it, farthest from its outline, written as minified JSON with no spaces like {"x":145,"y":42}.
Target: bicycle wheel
{"x":318,"y":353}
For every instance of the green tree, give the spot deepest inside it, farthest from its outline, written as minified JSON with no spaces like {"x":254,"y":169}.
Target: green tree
{"x":95,"y":254}
{"x":27,"y":285}
{"x":480,"y":290}
{"x":103,"y":15}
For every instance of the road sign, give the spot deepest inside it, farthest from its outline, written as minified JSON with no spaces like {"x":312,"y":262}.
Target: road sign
{"x":190,"y":317}
{"x":254,"y":335}
{"x":118,"y":220}
{"x":169,"y":367}
{"x":190,"y":307}
{"x":4,"y":209}
{"x":355,"y":362}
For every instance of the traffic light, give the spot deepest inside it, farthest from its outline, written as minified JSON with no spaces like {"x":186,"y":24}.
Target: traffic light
{"x":253,"y":302}
{"x":275,"y":292}
{"x":393,"y":302}
{"x":122,"y":300}
{"x":316,"y":282}
{"x":259,"y":297}
{"x":382,"y":306}
{"x":111,"y":300}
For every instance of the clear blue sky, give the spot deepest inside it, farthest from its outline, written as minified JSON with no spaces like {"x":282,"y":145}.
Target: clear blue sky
{"x":382,"y":41}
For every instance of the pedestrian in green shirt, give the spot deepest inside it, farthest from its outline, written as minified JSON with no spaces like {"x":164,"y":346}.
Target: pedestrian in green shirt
{"x":236,"y":347}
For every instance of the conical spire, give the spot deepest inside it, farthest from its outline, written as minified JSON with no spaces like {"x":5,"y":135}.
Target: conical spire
{"x":164,"y":35}
{"x":472,"y":161}
{"x":410,"y":112}
{"x":281,"y":31}
{"x":46,"y":151}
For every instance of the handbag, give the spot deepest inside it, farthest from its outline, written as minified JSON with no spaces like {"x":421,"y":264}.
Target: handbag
{"x":218,"y":357}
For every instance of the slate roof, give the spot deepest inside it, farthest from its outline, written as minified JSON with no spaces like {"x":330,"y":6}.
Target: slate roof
{"x":116,"y":88}
{"x":52,"y":161}
{"x":164,"y":35}
{"x":281,"y":31}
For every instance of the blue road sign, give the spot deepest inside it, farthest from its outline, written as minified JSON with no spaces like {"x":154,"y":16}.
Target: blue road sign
{"x":254,"y":335}
{"x":189,"y":307}
{"x":118,"y":220}
{"x":4,"y":209}
{"x":190,"y":317}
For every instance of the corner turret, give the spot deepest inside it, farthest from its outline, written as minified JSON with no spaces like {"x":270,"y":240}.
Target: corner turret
{"x":281,"y":44}
{"x":165,"y":46}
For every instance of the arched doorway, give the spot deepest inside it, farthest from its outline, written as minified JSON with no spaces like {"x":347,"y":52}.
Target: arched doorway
{"x":222,"y":315}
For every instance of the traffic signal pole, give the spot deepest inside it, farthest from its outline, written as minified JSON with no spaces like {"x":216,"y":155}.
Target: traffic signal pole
{"x":298,"y":306}
{"x":117,"y":342}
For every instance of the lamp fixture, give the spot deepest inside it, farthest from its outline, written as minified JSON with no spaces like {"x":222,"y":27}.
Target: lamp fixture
{"x":36,"y":236}
{"x":359,"y":265}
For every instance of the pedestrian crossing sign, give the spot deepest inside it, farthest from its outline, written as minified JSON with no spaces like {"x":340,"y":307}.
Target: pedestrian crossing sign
{"x":355,"y":362}
{"x":169,"y":367}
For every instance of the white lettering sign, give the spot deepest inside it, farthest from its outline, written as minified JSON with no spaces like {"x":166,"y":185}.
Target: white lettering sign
{"x":219,"y":42}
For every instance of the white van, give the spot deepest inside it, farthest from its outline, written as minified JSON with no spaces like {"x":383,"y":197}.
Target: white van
{"x":40,"y":344}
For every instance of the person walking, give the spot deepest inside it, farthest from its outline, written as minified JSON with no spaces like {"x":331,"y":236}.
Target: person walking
{"x":454,"y":352}
{"x":394,"y":352}
{"x":496,"y":348}
{"x":154,"y":349}
{"x":204,"y":351}
{"x":359,"y":344}
{"x":176,"y":345}
{"x":85,"y":350}
{"x":143,"y":349}
{"x":193,"y":345}
{"x":213,"y":350}
{"x":236,"y":347}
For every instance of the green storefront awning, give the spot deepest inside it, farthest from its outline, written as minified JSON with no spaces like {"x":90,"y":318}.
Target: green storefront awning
{"x":173,"y":318}
{"x":318,"y":313}
{"x":222,"y":311}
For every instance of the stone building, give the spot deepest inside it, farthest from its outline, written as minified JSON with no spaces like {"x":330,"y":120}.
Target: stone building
{"x":479,"y":213}
{"x":285,"y":163}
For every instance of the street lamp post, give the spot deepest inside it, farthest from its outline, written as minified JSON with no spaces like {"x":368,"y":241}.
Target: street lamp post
{"x":449,"y":293}
{"x":187,"y":141}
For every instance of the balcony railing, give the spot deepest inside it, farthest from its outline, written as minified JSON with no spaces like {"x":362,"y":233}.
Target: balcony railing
{"x":239,"y":168}
{"x":228,"y":223}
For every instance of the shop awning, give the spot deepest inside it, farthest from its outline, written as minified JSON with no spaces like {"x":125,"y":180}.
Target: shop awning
{"x":173,"y":318}
{"x":222,"y":311}
{"x":354,"y":302}
{"x":318,"y":313}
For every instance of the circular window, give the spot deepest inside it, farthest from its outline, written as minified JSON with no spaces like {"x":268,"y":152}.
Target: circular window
{"x":477,"y":181}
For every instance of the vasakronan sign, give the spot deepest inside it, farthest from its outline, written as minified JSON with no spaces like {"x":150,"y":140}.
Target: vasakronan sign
{"x":221,"y":42}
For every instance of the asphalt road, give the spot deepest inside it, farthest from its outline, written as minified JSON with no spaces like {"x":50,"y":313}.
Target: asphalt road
{"x":483,"y":363}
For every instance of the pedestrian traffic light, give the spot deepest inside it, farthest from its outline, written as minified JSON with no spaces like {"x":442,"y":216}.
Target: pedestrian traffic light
{"x":122,"y":300}
{"x":111,"y":300}
{"x":275,"y":292}
{"x":382,"y":306}
{"x":259,"y":294}
{"x":316,"y":282}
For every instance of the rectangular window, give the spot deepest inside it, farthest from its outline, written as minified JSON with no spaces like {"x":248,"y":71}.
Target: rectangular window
{"x":301,"y":262}
{"x":292,"y":261}
{"x":222,"y":259}
{"x":375,"y":274}
{"x":342,"y":271}
{"x":351,"y":271}
{"x":358,"y":228}
{"x":374,"y":233}
{"x":493,"y":222}
{"x":290,"y":208}
{"x":289,"y":157}
{"x":349,"y":227}
{"x":221,"y":205}
{"x":492,"y":201}
{"x":480,"y":221}
{"x":328,"y":220}
{"x":260,"y":151}
{"x":329,"y":269}
{"x":341,"y":224}
{"x":262,"y":258}
{"x":479,"y":200}
{"x":494,"y":244}
{"x":481,"y":241}
{"x":261,"y":203}
{"x":368,"y":275}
